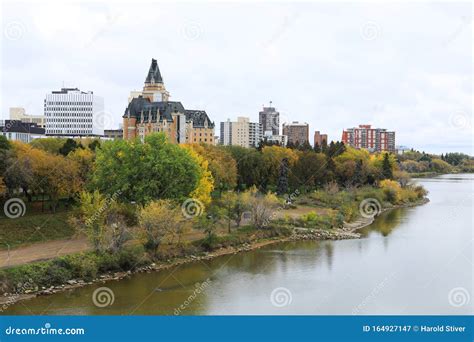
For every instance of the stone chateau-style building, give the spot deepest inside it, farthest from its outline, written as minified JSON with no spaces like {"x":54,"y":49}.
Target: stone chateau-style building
{"x":151,"y":111}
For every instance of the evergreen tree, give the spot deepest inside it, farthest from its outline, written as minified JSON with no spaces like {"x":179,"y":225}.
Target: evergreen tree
{"x":358,"y":173}
{"x":387,"y":167}
{"x":282,"y":187}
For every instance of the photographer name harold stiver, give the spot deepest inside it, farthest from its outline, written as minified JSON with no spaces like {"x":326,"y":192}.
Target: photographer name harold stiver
{"x":442,"y":328}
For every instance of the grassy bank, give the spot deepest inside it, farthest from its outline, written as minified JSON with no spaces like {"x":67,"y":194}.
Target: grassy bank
{"x":33,"y":228}
{"x":89,"y":266}
{"x":323,"y":210}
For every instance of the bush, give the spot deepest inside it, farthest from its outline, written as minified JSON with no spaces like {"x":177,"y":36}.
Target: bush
{"x":84,"y":266}
{"x":391,"y":190}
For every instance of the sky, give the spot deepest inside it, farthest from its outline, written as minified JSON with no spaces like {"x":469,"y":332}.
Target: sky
{"x":401,"y":66}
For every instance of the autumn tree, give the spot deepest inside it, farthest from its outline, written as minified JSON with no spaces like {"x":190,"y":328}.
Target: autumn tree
{"x":159,"y":219}
{"x":103,"y":220}
{"x":221,"y":164}
{"x":262,"y":207}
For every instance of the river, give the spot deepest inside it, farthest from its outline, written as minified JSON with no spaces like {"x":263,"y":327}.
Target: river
{"x":410,"y":261}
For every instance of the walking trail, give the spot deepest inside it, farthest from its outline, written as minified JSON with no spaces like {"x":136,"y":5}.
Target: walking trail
{"x":42,"y":251}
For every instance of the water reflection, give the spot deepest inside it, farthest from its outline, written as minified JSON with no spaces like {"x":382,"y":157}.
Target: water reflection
{"x":418,"y":255}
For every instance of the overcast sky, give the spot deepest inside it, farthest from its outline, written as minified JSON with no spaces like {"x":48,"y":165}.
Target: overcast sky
{"x":405,"y":67}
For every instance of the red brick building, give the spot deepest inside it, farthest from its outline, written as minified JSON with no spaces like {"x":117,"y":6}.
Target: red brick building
{"x":372,"y":139}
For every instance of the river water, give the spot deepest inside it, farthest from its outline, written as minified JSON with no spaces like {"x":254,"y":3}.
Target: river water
{"x":410,"y":261}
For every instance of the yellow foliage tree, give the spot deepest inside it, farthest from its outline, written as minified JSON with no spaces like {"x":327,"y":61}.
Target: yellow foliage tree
{"x":206,"y":182}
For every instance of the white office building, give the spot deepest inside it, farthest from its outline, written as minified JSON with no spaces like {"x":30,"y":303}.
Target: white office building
{"x":71,"y":112}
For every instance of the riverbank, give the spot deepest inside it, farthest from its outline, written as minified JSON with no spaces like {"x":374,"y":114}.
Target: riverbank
{"x":348,"y":231}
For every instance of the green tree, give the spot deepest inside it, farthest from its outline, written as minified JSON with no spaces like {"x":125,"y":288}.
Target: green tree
{"x":233,"y":206}
{"x":142,"y":172}
{"x":69,"y":146}
{"x":282,"y":186}
{"x":387,"y":170}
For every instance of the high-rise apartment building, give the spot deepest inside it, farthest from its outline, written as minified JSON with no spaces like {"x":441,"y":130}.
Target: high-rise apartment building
{"x":269,"y":118}
{"x":71,"y":112}
{"x":297,"y":132}
{"x":372,"y":139}
{"x":241,"y":132}
{"x":151,"y":111}
{"x":320,"y":139}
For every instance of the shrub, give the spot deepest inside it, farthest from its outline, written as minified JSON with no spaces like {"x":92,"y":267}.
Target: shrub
{"x":391,"y":190}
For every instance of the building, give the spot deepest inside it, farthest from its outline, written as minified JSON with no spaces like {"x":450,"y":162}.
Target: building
{"x":74,"y":113}
{"x":113,"y":134}
{"x":281,"y":140}
{"x":400,"y":149}
{"x":241,"y":132}
{"x":19,"y":113}
{"x":372,"y":139}
{"x":151,"y":111}
{"x":297,"y":133}
{"x":269,"y":118}
{"x":320,"y":139}
{"x":21,"y":131}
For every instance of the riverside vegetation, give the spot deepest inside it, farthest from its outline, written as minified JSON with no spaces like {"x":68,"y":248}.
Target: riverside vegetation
{"x":153,"y":202}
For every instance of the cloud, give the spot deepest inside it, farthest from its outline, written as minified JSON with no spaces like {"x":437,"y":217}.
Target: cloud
{"x":313,"y":60}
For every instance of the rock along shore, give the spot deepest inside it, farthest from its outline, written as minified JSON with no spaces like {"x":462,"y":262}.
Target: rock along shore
{"x":348,"y":231}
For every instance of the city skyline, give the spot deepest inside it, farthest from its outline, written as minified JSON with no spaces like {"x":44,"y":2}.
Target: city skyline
{"x":381,"y":78}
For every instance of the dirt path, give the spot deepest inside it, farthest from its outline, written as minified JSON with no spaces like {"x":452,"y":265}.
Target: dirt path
{"x":42,"y":251}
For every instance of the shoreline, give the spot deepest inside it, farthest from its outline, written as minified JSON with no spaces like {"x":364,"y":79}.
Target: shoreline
{"x":349,"y":231}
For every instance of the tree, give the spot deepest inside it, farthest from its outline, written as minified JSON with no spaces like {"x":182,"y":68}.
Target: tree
{"x":69,"y":146}
{"x":252,"y":168}
{"x":209,"y":223}
{"x":142,"y":172}
{"x":221,"y":164}
{"x":3,"y":188}
{"x":360,"y":176}
{"x":205,"y":185}
{"x":387,"y":171}
{"x":103,"y":220}
{"x":282,"y":186}
{"x":440,"y":166}
{"x":94,"y":145}
{"x":84,"y":159}
{"x":309,"y":170}
{"x":157,"y":220}
{"x":262,"y":207}
{"x":50,"y":145}
{"x":233,"y":206}
{"x":272,"y":161}
{"x":4,"y":143}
